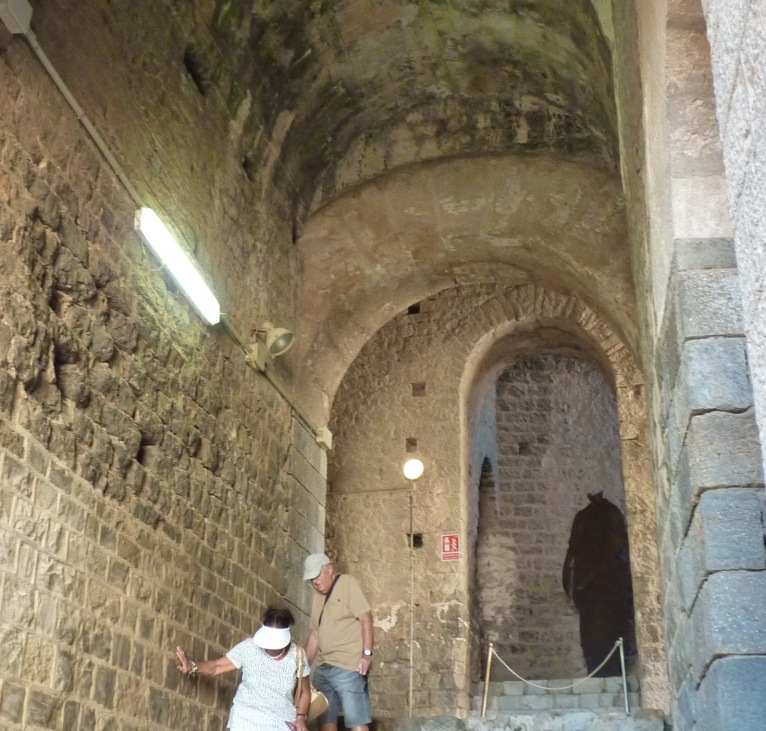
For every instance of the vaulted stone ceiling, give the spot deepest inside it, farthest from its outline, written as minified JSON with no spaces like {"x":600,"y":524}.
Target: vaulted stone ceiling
{"x":347,"y":89}
{"x":367,"y":89}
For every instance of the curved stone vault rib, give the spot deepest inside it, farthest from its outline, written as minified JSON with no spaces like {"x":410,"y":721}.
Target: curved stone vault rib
{"x":410,"y":234}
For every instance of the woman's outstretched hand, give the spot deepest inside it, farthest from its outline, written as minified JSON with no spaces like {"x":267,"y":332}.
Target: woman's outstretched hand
{"x":299,"y":724}
{"x":185,"y":665}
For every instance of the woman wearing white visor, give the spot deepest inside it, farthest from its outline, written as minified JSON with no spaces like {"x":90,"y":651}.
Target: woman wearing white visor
{"x":270,"y":664}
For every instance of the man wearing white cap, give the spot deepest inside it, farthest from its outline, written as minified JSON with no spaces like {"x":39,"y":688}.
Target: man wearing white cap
{"x":270,"y":664}
{"x":341,"y":641}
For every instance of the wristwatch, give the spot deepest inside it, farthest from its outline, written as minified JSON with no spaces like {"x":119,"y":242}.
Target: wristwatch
{"x":367,"y":652}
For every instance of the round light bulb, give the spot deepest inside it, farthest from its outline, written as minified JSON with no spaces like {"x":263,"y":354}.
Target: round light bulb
{"x":413,"y":468}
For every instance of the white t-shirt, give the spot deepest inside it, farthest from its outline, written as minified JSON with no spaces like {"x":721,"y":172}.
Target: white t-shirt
{"x":264,"y":698}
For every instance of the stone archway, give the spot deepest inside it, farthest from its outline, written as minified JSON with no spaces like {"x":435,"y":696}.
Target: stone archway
{"x":432,"y":226}
{"x":534,"y":319}
{"x":415,"y":380}
{"x":552,"y":556}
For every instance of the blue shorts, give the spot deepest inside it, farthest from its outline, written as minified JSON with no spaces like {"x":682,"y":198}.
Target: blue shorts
{"x":346,"y":689}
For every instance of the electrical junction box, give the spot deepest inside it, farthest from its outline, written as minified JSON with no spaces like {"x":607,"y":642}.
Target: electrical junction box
{"x":323,"y":438}
{"x":17,"y":15}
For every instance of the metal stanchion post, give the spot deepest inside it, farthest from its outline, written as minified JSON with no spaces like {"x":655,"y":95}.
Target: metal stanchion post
{"x":624,"y":676}
{"x":412,"y":598}
{"x":486,"y":680}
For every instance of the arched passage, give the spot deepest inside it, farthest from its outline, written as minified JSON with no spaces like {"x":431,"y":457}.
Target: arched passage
{"x":413,"y":385}
{"x":552,"y":559}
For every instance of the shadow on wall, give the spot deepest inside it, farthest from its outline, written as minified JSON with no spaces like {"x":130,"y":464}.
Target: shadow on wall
{"x":596,"y":577}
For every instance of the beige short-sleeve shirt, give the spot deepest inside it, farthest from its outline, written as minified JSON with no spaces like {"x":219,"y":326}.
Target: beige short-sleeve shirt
{"x":340,"y":634}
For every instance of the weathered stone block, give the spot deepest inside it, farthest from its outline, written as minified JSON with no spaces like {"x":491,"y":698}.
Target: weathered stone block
{"x":72,"y":238}
{"x":731,"y":696}
{"x":305,"y":534}
{"x":43,"y":709}
{"x":508,"y":703}
{"x":534,"y":702}
{"x":566,"y":701}
{"x":724,"y":450}
{"x":709,"y":304}
{"x":512,"y":687}
{"x":732,"y":527}
{"x":714,"y":375}
{"x":12,"y":702}
{"x":694,"y":221}
{"x":705,"y":254}
{"x":590,"y":686}
{"x":589,"y":700}
{"x":307,"y":475}
{"x":729,"y":617}
{"x":307,"y":445}
{"x":726,"y":533}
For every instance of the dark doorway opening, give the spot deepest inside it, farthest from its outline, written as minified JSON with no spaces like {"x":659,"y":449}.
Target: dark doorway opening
{"x":596,"y":577}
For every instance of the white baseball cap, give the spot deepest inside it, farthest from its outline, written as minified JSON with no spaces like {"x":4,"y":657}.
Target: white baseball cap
{"x":272,"y":638}
{"x":314,"y":564}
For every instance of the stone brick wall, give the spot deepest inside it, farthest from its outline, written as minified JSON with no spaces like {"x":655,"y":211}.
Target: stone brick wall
{"x":707,"y":454}
{"x":154,"y":490}
{"x":416,"y":380}
{"x":558,"y":439}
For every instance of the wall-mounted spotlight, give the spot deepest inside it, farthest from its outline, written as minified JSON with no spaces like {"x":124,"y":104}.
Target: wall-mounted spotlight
{"x":278,"y":339}
{"x":157,"y":236}
{"x":271,"y":342}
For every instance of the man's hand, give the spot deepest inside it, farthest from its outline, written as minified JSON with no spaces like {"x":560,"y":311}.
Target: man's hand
{"x":366,"y":660}
{"x":363,"y":666}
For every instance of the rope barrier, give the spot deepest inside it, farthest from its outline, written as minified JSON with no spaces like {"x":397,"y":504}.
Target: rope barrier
{"x":561,"y":687}
{"x":617,"y":645}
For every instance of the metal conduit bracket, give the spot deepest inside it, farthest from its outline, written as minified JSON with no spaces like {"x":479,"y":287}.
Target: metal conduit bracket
{"x":16,"y":15}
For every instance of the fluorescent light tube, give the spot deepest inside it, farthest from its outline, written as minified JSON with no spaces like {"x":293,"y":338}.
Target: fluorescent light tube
{"x":164,"y":245}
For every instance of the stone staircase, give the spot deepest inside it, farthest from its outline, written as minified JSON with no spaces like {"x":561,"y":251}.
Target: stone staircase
{"x":562,"y":720}
{"x":594,"y":694}
{"x":597,"y":704}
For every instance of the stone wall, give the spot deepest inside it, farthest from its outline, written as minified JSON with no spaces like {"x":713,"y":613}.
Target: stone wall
{"x":736,"y":36}
{"x":481,"y":487}
{"x":693,"y":344}
{"x":154,"y":490}
{"x":558,"y":440}
{"x":415,"y":381}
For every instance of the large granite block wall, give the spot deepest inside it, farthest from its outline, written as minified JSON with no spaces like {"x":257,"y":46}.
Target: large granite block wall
{"x":706,"y":447}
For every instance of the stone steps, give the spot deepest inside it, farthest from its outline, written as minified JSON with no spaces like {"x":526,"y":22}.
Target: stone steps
{"x":592,"y":694}
{"x":564,"y":720}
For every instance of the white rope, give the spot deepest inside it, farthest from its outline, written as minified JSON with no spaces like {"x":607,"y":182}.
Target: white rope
{"x":561,"y":687}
